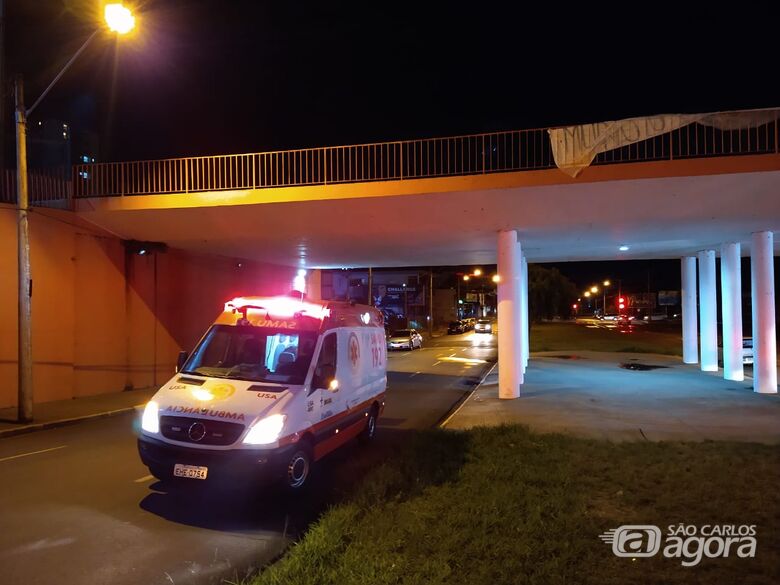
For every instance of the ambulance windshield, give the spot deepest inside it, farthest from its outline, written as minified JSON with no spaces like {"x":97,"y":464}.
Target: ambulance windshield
{"x":257,"y":354}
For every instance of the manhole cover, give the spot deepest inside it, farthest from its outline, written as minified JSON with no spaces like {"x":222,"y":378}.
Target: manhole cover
{"x":640,"y":367}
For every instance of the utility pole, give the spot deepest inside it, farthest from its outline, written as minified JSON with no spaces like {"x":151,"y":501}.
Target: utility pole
{"x":457,"y":300}
{"x":25,"y":400}
{"x":370,"y":287}
{"x":406,"y":304}
{"x":430,"y":302}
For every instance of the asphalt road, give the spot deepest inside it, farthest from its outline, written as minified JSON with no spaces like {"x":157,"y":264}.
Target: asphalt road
{"x":78,"y":507}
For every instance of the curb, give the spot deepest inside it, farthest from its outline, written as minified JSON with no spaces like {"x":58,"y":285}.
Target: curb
{"x":462,"y":403}
{"x":31,"y":428}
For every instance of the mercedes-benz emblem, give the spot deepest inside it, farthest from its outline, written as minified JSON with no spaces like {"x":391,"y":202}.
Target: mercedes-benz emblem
{"x":196,"y":431}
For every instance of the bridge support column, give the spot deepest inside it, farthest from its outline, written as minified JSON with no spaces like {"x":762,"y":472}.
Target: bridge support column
{"x":690,"y":322}
{"x":510,"y":372}
{"x":525,"y":322}
{"x":708,"y":312}
{"x":731,"y":310}
{"x":762,"y":291}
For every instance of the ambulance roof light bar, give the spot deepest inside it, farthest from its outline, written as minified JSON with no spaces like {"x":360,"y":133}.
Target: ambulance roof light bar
{"x":279,"y":307}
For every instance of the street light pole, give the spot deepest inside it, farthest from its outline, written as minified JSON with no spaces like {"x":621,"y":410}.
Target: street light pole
{"x":25,"y":398}
{"x":120,"y":20}
{"x":457,"y":300}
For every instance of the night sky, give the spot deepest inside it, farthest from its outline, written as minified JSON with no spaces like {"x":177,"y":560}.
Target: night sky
{"x":226,"y":76}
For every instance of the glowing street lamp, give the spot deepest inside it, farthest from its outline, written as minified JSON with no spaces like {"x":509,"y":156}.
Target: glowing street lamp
{"x":466,"y":277}
{"x":496,"y":278}
{"x":477,"y":272}
{"x":594,"y":289}
{"x":606,"y":283}
{"x":586,"y":294}
{"x":120,"y":20}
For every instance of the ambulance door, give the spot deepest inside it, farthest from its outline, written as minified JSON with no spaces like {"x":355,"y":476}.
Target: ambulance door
{"x":326,"y":396}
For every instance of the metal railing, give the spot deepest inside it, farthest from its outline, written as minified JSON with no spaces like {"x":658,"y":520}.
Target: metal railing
{"x":496,"y":152}
{"x":47,"y":188}
{"x":384,"y":161}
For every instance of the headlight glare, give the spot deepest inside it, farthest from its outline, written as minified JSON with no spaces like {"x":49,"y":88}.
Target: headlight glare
{"x":150,"y":422}
{"x":266,"y":430}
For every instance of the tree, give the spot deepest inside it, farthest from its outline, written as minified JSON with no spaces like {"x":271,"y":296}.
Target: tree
{"x":550,"y":293}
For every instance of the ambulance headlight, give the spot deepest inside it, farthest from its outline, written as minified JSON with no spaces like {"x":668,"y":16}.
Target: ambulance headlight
{"x":266,"y":430}
{"x":150,"y":422}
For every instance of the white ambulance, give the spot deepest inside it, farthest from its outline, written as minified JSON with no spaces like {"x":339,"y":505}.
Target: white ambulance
{"x":275,"y":384}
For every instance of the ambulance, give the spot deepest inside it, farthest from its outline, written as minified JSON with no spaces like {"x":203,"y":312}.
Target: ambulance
{"x":274,"y":385}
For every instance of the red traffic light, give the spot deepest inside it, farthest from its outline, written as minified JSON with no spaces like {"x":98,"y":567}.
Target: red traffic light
{"x":621,"y":300}
{"x":621,"y":306}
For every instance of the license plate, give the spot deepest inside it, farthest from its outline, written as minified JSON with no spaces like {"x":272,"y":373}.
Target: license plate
{"x":190,"y":471}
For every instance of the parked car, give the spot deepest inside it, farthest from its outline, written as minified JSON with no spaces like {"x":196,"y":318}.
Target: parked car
{"x":470,"y":322}
{"x":747,"y":352}
{"x":483,"y":326}
{"x":656,"y":316}
{"x":404,"y":339}
{"x":456,"y":327}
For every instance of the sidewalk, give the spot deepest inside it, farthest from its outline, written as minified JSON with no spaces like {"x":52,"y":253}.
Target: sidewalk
{"x":62,"y":412}
{"x":589,"y":394}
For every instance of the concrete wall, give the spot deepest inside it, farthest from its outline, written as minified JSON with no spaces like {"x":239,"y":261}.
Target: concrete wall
{"x":105,"y":319}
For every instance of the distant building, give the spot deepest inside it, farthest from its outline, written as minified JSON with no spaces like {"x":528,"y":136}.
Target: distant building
{"x":53,"y":145}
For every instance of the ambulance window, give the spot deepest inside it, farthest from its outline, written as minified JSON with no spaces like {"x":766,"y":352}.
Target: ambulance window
{"x":326,"y":362}
{"x":328,"y":351}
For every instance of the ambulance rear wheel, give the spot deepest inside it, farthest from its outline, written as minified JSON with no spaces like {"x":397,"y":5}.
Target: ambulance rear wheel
{"x":298,"y":468}
{"x":369,"y":432}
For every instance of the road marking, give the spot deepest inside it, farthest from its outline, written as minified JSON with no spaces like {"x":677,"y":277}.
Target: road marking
{"x":437,"y":363}
{"x":143,"y":479}
{"x":32,"y":453}
{"x":413,"y":375}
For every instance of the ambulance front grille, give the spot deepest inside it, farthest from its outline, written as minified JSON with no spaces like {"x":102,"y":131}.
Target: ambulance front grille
{"x":200,"y":431}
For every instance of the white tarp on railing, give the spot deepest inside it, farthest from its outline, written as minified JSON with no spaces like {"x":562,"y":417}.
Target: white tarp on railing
{"x":575,"y":147}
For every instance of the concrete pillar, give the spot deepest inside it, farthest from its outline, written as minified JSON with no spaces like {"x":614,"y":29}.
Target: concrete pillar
{"x":510,"y":372}
{"x":689,"y":318}
{"x":762,"y":291}
{"x":731,"y":310}
{"x":708,"y":312}
{"x":526,"y":319}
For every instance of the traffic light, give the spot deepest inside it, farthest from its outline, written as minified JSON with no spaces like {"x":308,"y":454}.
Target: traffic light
{"x":621,"y":303}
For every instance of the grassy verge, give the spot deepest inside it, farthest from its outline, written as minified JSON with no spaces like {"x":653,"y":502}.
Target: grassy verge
{"x":572,"y":337}
{"x":504,"y":505}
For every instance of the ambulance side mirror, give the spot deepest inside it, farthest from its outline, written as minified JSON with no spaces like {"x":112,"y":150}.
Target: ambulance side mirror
{"x":181,"y":360}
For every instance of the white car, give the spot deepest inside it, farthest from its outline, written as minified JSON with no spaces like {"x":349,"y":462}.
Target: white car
{"x":405,"y":339}
{"x":747,"y":352}
{"x":483,"y":326}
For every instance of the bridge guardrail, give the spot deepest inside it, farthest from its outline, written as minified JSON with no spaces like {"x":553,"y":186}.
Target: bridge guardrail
{"x":495,"y":152}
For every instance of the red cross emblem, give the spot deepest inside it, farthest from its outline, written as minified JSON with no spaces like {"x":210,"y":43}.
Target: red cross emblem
{"x":354,"y":350}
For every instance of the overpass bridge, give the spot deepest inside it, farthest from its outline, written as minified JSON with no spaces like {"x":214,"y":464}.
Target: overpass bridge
{"x":688,"y":187}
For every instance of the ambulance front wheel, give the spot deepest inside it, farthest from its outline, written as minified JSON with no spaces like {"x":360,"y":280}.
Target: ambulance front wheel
{"x":298,"y":468}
